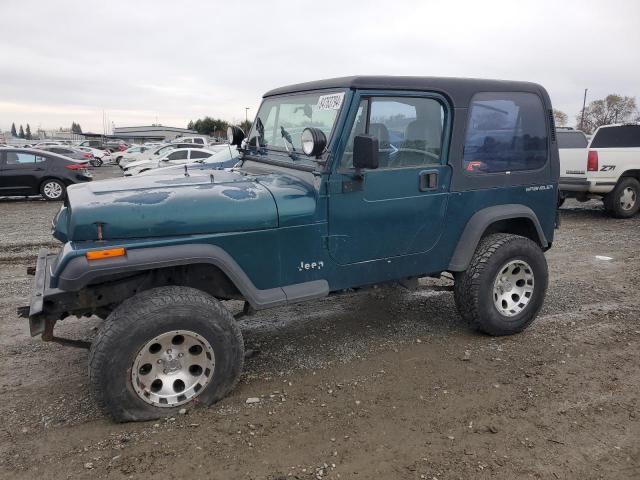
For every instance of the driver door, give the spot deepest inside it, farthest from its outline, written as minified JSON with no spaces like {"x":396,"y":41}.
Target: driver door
{"x":399,"y":208}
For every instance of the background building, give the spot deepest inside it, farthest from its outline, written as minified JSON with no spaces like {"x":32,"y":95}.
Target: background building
{"x":150,"y":133}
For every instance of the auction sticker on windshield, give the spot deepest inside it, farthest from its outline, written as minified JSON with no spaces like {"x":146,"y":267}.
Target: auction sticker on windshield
{"x":332,"y":101}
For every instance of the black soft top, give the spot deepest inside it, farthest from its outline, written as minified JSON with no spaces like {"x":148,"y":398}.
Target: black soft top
{"x":459,"y":90}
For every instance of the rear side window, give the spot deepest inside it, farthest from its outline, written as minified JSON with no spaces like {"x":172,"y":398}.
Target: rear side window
{"x":571,"y":140}
{"x":506,"y":132}
{"x":200,"y":154}
{"x":180,"y":155}
{"x":624,"y":136}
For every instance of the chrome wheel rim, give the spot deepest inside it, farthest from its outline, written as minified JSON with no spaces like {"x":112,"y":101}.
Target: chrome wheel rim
{"x":53,"y":190}
{"x":628,"y":198}
{"x":173,"y":368}
{"x":513,"y":288}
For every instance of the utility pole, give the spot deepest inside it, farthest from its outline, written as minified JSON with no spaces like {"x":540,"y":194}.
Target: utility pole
{"x":246,"y":115}
{"x":584,"y":105}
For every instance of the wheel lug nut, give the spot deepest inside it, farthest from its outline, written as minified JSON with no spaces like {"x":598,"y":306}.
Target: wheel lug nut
{"x":168,"y":350}
{"x":180,"y":355}
{"x":160,"y":360}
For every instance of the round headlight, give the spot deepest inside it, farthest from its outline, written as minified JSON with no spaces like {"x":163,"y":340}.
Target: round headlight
{"x":313,"y":141}
{"x":235,"y":135}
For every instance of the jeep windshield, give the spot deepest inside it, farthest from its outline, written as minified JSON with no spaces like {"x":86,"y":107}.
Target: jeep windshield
{"x":280,"y":121}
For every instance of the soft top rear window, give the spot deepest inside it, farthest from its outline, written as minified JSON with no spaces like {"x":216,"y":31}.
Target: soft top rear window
{"x":624,"y":136}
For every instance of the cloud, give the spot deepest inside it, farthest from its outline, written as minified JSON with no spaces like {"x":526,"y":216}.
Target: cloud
{"x":68,"y":61}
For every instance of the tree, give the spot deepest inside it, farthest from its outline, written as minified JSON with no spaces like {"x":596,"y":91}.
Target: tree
{"x":190,"y":126}
{"x":13,"y":130}
{"x":75,"y":128}
{"x":27,"y":134}
{"x":21,"y":134}
{"x":611,"y":109}
{"x":210,"y":126}
{"x":560,"y":118}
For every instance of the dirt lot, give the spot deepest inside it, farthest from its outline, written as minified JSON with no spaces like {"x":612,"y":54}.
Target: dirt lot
{"x":384,"y":385}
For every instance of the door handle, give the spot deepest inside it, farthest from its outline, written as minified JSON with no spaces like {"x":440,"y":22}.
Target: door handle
{"x":428,"y":180}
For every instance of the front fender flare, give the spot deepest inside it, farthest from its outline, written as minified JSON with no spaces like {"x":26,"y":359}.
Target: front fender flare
{"x":79,"y":273}
{"x":478,"y":224}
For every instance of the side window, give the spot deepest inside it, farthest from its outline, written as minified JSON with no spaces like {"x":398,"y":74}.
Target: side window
{"x":409,"y":131}
{"x":16,"y":158}
{"x":199,"y":154}
{"x":506,"y":132}
{"x":623,"y":136}
{"x":198,"y":140}
{"x":179,"y":155}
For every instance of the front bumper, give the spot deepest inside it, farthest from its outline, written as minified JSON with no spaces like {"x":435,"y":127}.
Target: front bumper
{"x":41,"y":291}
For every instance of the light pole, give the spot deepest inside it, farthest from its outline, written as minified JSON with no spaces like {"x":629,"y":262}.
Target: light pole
{"x":246,"y":115}
{"x":584,"y":105}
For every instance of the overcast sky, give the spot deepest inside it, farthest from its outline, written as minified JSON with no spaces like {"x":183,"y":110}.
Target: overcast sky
{"x":64,"y":61}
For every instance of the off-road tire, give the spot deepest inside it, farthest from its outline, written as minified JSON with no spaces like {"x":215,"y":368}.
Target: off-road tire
{"x":473,"y":290}
{"x":612,"y":203}
{"x":51,"y":184}
{"x":140,"y":319}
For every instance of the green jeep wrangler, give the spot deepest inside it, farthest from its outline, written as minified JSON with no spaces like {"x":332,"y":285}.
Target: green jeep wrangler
{"x":342,"y":184}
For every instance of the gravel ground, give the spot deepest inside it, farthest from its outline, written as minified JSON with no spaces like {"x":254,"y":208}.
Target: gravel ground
{"x":385,"y":384}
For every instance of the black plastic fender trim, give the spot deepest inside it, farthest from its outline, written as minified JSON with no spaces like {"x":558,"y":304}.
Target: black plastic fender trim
{"x":477,"y":225}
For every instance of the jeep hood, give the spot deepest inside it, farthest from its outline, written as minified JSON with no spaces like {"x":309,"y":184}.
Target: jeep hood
{"x":140,"y":207}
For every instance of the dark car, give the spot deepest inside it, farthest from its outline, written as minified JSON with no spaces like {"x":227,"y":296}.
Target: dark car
{"x":68,"y":152}
{"x":37,"y":172}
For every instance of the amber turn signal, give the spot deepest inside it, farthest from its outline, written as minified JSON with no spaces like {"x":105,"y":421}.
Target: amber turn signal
{"x":108,"y":253}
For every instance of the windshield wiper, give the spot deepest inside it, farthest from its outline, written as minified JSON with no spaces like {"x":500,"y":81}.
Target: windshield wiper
{"x":287,"y":137}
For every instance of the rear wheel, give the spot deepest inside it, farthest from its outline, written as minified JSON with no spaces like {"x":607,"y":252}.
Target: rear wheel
{"x":163,"y":349}
{"x":95,"y":162}
{"x":52,"y":189}
{"x":624,"y":200}
{"x":504,"y":286}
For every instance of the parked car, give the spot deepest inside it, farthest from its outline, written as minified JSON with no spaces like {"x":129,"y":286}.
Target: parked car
{"x":38,"y":172}
{"x":304,"y":216}
{"x":45,"y":144}
{"x":610,"y":171}
{"x":572,"y":148}
{"x":153,"y":153}
{"x":68,"y":152}
{"x":111,"y":145}
{"x":117,"y":156}
{"x":179,"y":156}
{"x":217,"y":161}
{"x":201,"y":140}
{"x":99,"y":156}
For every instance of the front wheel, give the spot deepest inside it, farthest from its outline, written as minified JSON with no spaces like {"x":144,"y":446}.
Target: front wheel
{"x":624,"y":200}
{"x":503,"y":289}
{"x":95,"y":162}
{"x":164,"y":349}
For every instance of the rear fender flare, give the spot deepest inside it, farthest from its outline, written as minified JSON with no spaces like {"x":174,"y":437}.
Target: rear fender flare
{"x":477,"y":226}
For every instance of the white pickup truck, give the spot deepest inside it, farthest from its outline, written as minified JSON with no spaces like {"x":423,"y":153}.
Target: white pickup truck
{"x":609,"y":168}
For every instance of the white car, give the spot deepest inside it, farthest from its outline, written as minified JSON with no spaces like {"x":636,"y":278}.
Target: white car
{"x":179,"y":156}
{"x":202,"y":140}
{"x":150,"y":153}
{"x":129,"y":152}
{"x":226,"y":158}
{"x":610,"y":170}
{"x":99,"y":156}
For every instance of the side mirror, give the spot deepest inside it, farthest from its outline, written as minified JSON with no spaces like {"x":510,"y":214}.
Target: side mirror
{"x":365,"y":152}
